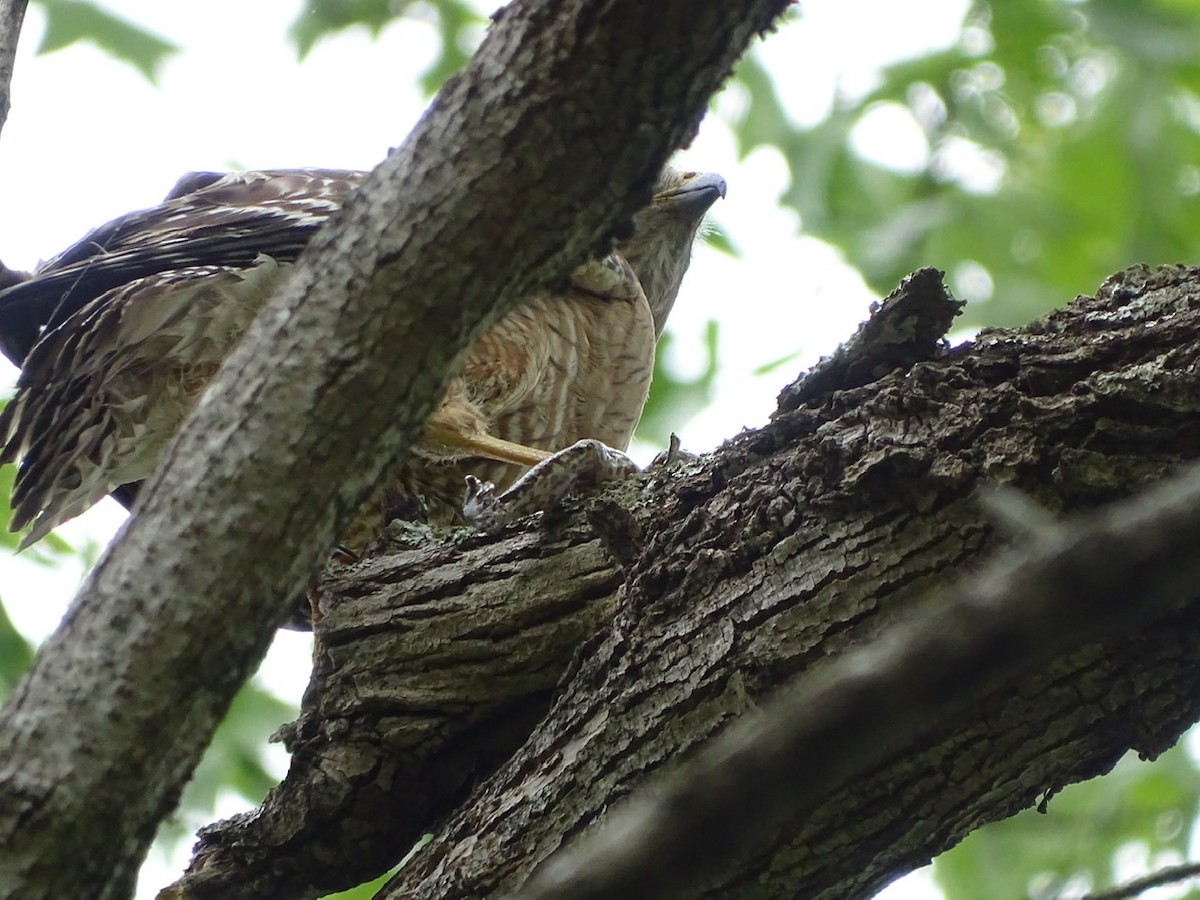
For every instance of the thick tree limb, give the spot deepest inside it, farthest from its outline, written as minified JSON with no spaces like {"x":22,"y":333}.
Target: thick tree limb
{"x":328,"y":388}
{"x":844,"y":516}
{"x":448,"y":706}
{"x":12,"y":14}
{"x":722,"y":579}
{"x":1117,"y":571}
{"x":465,"y":692}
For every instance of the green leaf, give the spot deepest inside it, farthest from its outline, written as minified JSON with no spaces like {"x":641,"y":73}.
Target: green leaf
{"x":454,"y":20}
{"x":775,"y":365}
{"x":716,"y":237}
{"x":234,"y":759}
{"x":764,"y":120}
{"x":363,"y":891}
{"x":68,"y":21}
{"x":15,"y":654}
{"x":1087,"y":111}
{"x":322,"y":18}
{"x":1157,"y":33}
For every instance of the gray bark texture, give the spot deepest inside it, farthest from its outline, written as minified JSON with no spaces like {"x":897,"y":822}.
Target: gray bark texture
{"x":12,"y":14}
{"x":566,"y":114}
{"x":747,"y":644}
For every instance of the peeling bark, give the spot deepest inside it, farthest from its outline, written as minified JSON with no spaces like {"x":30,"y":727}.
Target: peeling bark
{"x":505,"y":691}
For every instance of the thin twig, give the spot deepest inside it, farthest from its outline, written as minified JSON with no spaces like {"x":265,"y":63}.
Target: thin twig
{"x":1169,"y":875}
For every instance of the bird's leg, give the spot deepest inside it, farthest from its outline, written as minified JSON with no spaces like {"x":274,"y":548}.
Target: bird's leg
{"x":493,"y":448}
{"x":459,"y":428}
{"x":581,"y":466}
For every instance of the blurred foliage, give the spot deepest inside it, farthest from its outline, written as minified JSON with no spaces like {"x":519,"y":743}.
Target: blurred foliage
{"x":1063,"y":141}
{"x":16,"y":654}
{"x":68,"y":21}
{"x":233,"y":762}
{"x":1064,"y":144}
{"x":675,"y":399}
{"x":1140,"y":811}
{"x":459,"y":27}
{"x":235,"y":759}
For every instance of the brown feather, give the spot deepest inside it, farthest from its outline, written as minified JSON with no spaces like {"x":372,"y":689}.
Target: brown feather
{"x":134,"y":320}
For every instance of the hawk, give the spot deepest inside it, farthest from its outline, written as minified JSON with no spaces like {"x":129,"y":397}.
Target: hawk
{"x":118,"y":335}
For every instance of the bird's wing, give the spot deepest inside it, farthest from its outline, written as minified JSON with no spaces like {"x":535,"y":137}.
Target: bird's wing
{"x":207,"y":219}
{"x":103,"y":393}
{"x":120,"y":332}
{"x":609,"y":277}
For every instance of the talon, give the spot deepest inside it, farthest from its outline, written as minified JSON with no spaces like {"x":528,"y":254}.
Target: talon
{"x":584,"y":465}
{"x":481,"y":507}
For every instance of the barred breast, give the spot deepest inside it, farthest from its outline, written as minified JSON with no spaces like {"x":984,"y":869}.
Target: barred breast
{"x":119,"y":334}
{"x":562,"y":367}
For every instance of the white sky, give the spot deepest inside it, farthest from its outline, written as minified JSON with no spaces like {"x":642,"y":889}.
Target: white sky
{"x":88,"y":139}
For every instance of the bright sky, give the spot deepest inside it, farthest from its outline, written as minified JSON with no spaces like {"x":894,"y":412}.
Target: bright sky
{"x":88,"y":139}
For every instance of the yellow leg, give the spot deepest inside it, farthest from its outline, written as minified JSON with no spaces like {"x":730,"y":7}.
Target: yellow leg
{"x":485,"y":445}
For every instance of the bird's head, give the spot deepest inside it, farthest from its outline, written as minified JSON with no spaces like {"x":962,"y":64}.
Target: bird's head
{"x":660,"y":247}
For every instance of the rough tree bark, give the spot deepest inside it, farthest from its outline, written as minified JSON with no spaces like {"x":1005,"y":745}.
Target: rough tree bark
{"x":566,"y":114}
{"x":12,"y":14}
{"x":505,"y":691}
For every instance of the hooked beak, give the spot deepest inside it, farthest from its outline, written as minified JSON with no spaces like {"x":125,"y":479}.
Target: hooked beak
{"x":699,"y":191}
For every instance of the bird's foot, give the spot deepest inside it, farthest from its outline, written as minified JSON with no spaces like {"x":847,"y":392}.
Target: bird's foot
{"x":481,"y":507}
{"x":583,"y":465}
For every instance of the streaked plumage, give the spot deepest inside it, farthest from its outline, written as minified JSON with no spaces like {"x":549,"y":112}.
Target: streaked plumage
{"x":119,"y":334}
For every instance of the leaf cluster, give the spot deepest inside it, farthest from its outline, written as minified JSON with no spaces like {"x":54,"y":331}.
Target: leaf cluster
{"x":1062,"y":143}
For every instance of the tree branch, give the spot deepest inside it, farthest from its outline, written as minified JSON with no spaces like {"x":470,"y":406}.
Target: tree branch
{"x":909,"y":326}
{"x":317,"y":402}
{"x":1115,"y":572}
{"x":461,"y":698}
{"x":666,"y":608}
{"x":1169,"y":875}
{"x":447,"y":707}
{"x":822,"y":532}
{"x":12,"y":14}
